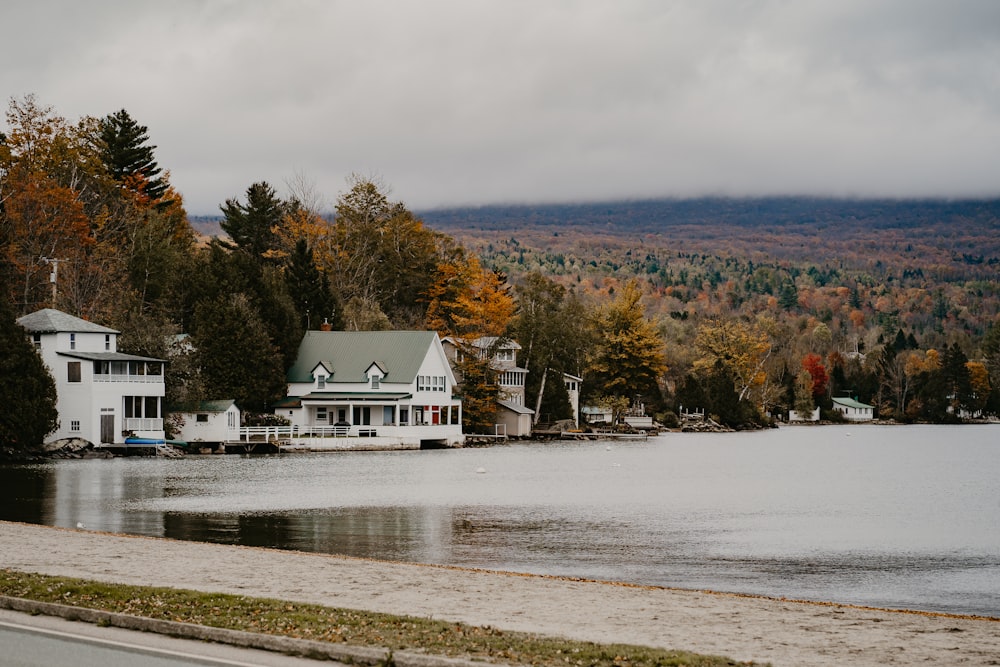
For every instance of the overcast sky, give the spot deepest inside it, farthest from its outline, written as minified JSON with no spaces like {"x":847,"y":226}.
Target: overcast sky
{"x":455,"y":102}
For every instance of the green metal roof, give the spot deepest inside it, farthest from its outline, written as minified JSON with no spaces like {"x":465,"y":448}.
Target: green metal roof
{"x":350,"y":353}
{"x":851,"y":403}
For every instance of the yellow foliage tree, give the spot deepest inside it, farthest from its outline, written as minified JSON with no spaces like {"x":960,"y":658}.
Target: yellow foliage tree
{"x":743,"y":348}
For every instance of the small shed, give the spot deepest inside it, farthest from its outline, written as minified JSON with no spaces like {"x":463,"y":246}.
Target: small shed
{"x":854,"y":410}
{"x":208,"y":422}
{"x":597,"y":414}
{"x":515,"y":418}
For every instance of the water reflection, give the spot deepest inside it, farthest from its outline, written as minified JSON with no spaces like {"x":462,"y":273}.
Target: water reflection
{"x":880,"y":516}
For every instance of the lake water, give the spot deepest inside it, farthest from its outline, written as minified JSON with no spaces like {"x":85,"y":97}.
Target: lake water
{"x":902,"y":516}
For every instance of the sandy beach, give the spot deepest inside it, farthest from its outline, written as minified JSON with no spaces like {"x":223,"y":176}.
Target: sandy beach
{"x":783,"y":632}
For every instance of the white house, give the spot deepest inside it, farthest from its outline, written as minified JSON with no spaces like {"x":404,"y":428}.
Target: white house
{"x":104,"y":396}
{"x":394,"y":384}
{"x":208,"y":422}
{"x":854,"y":410}
{"x":513,"y":415}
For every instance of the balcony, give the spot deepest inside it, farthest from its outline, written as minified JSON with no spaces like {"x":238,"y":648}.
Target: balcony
{"x":138,"y":424}
{"x":122,"y":377}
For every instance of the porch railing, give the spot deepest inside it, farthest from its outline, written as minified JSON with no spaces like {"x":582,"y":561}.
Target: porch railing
{"x":122,"y":377}
{"x":143,"y":424}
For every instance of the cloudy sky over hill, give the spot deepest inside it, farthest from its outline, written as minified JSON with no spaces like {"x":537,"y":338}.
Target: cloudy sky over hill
{"x":458,"y":102}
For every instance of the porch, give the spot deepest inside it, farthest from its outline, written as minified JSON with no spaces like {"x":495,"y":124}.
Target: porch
{"x":361,"y":437}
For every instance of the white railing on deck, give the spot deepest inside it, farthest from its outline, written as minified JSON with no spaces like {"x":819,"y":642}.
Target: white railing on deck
{"x":269,"y":433}
{"x":118,"y":377}
{"x":143,"y":424}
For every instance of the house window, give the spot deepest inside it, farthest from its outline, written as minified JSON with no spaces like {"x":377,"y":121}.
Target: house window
{"x":73,"y":371}
{"x":72,"y":341}
{"x":107,"y":342}
{"x":321,"y":382}
{"x":362,"y":415}
{"x":201,"y":418}
{"x":376,"y":381}
{"x":321,"y":414}
{"x":36,"y":339}
{"x":74,"y":425}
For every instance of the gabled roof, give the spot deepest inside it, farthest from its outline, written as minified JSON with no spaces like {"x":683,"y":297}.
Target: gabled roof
{"x":203,"y":406}
{"x":327,"y":366}
{"x":50,"y":320}
{"x":106,"y":356}
{"x":515,"y":408}
{"x":377,"y":364}
{"x":351,"y":353}
{"x":851,"y":403}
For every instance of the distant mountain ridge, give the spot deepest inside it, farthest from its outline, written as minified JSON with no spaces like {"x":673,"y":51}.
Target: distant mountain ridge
{"x":653,"y":215}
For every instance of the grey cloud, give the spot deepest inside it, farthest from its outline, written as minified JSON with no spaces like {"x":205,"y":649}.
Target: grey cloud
{"x":456,"y":101}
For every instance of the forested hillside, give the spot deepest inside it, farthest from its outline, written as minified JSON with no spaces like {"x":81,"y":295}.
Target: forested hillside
{"x":743,"y":308}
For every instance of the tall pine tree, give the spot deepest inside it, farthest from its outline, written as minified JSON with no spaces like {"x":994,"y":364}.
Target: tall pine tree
{"x":127,"y":156}
{"x":253,"y":226}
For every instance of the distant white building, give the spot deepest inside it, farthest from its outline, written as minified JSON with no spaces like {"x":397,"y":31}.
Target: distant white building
{"x":104,"y":396}
{"x":573,"y":384}
{"x":854,"y":410}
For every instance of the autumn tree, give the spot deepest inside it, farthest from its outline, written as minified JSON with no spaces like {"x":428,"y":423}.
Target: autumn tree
{"x":979,"y":388}
{"x":382,"y":258}
{"x":43,"y":222}
{"x":813,"y":364}
{"x":628,"y":357}
{"x":805,"y":401}
{"x":739,"y":346}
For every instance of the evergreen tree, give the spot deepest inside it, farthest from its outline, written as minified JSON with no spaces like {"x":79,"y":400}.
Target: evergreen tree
{"x":310,"y":291}
{"x":235,"y":353}
{"x":27,"y":393}
{"x":127,"y":157}
{"x":957,"y":380}
{"x":478,"y":389}
{"x":555,"y":403}
{"x":253,"y":226}
{"x":725,"y":402}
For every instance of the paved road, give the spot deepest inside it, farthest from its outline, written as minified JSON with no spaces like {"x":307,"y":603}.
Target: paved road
{"x":45,"y":641}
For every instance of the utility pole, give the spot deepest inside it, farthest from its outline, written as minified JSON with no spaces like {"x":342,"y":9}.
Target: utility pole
{"x":54,"y":276}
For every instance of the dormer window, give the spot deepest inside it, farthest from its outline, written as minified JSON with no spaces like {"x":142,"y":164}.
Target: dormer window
{"x":376,"y":381}
{"x":321,"y":382}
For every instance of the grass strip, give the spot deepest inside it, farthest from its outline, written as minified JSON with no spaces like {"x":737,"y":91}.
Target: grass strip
{"x":348,"y":626}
